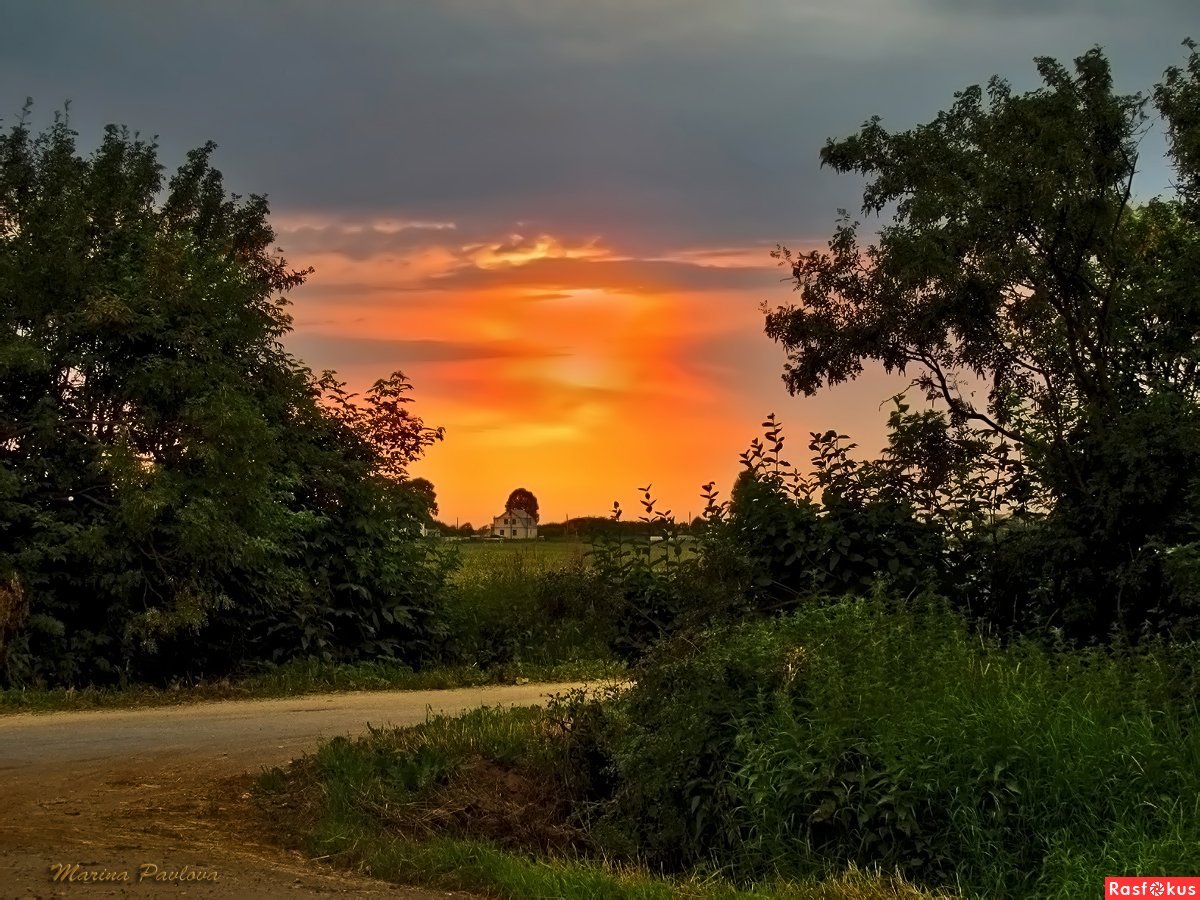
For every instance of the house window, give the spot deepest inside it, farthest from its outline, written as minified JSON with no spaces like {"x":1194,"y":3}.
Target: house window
{"x":514,"y":532}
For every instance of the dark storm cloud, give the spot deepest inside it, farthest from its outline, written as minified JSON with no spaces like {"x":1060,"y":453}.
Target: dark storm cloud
{"x":659,"y":121}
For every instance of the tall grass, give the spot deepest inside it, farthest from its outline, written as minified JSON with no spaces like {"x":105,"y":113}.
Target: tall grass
{"x":527,"y":603}
{"x":858,"y":733}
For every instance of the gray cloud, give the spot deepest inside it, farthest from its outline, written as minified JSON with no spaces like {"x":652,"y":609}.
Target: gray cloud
{"x":657,"y":122}
{"x":354,"y":243}
{"x":1111,"y":9}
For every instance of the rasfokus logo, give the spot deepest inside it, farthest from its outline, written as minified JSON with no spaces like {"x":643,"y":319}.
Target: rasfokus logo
{"x":1151,"y":886}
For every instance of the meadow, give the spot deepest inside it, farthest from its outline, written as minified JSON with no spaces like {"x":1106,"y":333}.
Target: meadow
{"x":480,"y":560}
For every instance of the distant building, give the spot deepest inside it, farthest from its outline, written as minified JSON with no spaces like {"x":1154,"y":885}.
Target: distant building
{"x":514,"y":524}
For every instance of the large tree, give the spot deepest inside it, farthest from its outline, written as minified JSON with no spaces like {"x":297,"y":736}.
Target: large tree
{"x":522,"y":498}
{"x":424,"y":491}
{"x":1016,"y":268}
{"x":176,"y":491}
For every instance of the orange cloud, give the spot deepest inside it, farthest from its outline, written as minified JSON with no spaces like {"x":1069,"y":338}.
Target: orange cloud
{"x":517,"y":250}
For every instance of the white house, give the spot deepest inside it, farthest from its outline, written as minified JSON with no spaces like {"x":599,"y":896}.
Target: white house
{"x":514,"y":524}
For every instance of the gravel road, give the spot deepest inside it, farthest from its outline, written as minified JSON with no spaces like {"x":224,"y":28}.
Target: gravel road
{"x":126,"y":791}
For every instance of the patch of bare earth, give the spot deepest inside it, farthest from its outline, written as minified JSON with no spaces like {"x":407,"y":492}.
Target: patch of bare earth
{"x":512,"y":807}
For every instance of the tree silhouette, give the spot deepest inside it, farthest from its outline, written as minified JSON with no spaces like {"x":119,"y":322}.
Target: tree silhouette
{"x":523,"y":499}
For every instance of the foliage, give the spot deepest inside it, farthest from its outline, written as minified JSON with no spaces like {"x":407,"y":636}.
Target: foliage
{"x":424,"y":490}
{"x":465,"y":803}
{"x":663,"y":580}
{"x":838,"y":530}
{"x":389,"y":436}
{"x":1016,"y":265}
{"x":522,"y":499}
{"x":870,"y":733}
{"x":177,"y":493}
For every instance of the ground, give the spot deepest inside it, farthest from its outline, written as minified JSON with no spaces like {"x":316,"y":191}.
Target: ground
{"x":114,"y":791}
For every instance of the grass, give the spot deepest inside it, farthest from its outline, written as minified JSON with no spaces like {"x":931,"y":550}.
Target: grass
{"x":482,"y":557}
{"x":300,"y":678}
{"x":891,"y":734}
{"x":409,"y":805}
{"x":530,"y":603}
{"x":541,"y":602}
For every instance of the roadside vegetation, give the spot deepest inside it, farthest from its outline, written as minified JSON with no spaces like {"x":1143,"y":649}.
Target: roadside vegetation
{"x":306,"y":677}
{"x":777,"y":755}
{"x":515,"y":613}
{"x":480,"y":802}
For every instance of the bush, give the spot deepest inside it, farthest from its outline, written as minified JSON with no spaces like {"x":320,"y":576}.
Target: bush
{"x":861,"y":733}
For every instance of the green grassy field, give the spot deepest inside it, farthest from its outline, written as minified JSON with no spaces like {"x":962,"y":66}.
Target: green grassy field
{"x":484,"y":558}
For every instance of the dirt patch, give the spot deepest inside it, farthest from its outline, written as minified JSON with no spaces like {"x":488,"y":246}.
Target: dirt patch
{"x":514,"y":808}
{"x":157,"y":828}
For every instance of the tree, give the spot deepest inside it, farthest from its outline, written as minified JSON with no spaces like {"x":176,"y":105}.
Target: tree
{"x":389,"y":436}
{"x":422,"y":488}
{"x":523,"y":499}
{"x":178,"y":493}
{"x":1016,"y":265}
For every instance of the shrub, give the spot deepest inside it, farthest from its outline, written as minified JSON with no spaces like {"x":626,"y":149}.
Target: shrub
{"x":864,"y":733}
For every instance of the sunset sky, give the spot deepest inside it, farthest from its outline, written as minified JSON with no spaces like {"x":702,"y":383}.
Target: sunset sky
{"x":555,"y":216}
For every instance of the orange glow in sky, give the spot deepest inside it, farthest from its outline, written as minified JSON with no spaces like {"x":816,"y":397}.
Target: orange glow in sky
{"x":557,"y":365}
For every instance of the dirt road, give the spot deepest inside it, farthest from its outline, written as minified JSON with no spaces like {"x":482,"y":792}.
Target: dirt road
{"x":154,"y":793}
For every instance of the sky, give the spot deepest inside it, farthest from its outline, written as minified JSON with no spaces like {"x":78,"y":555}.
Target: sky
{"x":556,"y":216}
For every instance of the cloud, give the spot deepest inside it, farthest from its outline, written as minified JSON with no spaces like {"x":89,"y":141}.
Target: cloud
{"x":356,"y":240}
{"x":659,"y":122}
{"x":398,"y":353}
{"x":630,"y":276}
{"x":517,"y":250}
{"x":1112,"y":9}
